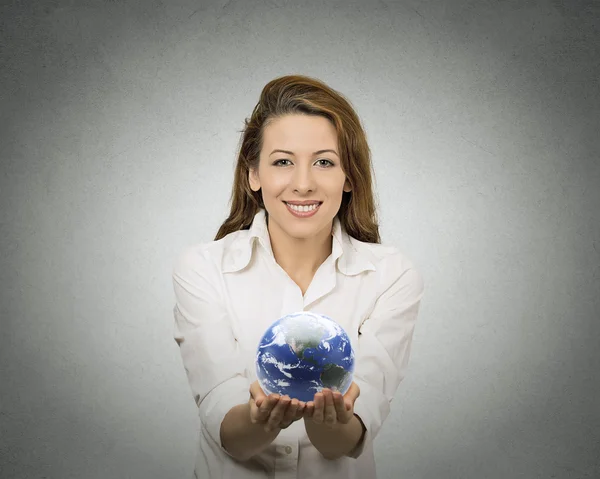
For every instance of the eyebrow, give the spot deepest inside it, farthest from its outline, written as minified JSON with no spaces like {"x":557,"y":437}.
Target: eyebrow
{"x":315,"y":153}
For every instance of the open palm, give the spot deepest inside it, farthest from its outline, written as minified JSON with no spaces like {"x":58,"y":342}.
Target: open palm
{"x":274,"y":410}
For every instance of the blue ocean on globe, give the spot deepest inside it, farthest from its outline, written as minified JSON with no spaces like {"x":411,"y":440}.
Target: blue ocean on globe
{"x":302,"y":353}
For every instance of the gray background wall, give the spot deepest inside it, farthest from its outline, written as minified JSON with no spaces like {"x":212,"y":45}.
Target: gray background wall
{"x":119,"y":127}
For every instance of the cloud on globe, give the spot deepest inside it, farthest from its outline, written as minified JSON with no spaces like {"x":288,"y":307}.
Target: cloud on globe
{"x":302,"y":353}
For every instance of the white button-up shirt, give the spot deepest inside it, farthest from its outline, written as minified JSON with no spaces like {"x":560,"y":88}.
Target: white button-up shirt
{"x":228,"y":292}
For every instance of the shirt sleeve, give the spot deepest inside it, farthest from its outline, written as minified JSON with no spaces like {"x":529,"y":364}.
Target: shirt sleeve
{"x":384,"y":344}
{"x":209,"y":350}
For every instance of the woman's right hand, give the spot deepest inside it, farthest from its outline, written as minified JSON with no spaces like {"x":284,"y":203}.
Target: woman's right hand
{"x":273,"y":411}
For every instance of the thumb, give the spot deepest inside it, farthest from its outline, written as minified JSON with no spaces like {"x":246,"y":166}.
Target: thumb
{"x":351,"y":395}
{"x":257,"y":393}
{"x":356,"y":390}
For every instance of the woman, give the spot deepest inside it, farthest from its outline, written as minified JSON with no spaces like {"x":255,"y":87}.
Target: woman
{"x":302,"y":235}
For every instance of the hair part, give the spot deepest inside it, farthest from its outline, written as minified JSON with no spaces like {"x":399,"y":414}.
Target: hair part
{"x":293,"y":95}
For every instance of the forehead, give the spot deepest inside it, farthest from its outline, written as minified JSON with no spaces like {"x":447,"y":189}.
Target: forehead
{"x":300,"y":133}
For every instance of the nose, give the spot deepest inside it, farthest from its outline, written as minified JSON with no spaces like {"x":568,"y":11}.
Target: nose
{"x":303,"y":179}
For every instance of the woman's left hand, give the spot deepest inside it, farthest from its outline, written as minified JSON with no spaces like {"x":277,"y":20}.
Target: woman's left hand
{"x":330,"y":407}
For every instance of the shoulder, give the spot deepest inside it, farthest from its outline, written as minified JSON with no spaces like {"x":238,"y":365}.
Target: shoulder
{"x":391,"y":264}
{"x":383,"y":256}
{"x":208,"y":257}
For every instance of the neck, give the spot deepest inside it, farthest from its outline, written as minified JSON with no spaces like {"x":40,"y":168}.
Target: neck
{"x":301,"y":256}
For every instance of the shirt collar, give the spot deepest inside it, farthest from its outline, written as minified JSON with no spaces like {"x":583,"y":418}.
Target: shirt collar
{"x":238,"y":253}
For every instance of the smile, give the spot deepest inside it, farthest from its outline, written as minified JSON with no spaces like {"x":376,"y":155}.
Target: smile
{"x":303,"y":211}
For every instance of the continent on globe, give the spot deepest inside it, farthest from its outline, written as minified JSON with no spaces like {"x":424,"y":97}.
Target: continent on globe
{"x":333,"y":376}
{"x":302,"y":353}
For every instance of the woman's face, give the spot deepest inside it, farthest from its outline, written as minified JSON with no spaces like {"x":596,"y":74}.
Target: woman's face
{"x":300,"y":174}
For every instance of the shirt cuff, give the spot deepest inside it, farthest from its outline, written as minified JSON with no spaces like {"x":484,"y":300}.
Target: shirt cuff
{"x":372,"y":407}
{"x":215,"y":406}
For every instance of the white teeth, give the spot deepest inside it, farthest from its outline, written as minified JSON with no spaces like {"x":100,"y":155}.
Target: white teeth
{"x":303,"y":209}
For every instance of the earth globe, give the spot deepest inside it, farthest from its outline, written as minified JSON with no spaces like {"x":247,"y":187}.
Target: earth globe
{"x":302,"y":353}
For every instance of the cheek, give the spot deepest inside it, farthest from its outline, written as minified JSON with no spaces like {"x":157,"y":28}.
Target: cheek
{"x":335,"y":187}
{"x":274,"y":184}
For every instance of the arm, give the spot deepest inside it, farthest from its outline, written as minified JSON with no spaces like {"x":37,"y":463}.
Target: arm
{"x":384,"y":344}
{"x":331,"y":424}
{"x":339,"y":426}
{"x":212,"y":359}
{"x":240,"y":437}
{"x":248,"y":428}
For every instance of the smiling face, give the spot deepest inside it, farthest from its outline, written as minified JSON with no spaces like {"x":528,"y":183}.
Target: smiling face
{"x":302,"y":172}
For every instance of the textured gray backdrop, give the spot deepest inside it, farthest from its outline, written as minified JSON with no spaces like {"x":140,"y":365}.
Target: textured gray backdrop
{"x":119,"y":126}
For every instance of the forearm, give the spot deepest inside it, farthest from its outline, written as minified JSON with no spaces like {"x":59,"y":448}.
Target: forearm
{"x":240,"y":437}
{"x":337,"y":441}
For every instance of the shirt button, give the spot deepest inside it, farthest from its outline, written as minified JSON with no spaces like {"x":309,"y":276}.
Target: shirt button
{"x":288,"y":450}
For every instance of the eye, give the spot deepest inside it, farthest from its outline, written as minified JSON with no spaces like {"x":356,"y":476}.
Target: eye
{"x":276,"y":163}
{"x":328,"y":161}
{"x":327,"y":164}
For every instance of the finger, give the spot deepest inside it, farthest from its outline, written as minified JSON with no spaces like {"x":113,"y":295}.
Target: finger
{"x":253,"y":410}
{"x":252,"y":388}
{"x":300,"y":410}
{"x":309,"y":409}
{"x":319,"y":408}
{"x":290,"y":413}
{"x":259,"y":400}
{"x":351,"y":396}
{"x":340,"y":408}
{"x":257,"y":393}
{"x":330,"y":414}
{"x":266,"y":407}
{"x":353,"y":392}
{"x":277,"y":413}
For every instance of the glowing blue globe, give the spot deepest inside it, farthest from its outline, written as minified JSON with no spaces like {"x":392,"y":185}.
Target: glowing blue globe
{"x":302,"y":353}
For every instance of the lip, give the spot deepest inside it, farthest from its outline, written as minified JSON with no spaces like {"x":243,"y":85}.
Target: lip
{"x":299,"y":214}
{"x":304,"y":202}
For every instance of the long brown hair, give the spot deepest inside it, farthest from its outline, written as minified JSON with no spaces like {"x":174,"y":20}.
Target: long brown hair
{"x":298,"y":94}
